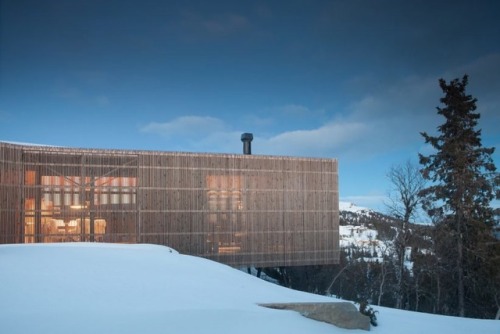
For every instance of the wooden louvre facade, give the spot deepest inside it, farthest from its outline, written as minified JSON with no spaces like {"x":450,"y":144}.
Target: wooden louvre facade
{"x":242,"y":210}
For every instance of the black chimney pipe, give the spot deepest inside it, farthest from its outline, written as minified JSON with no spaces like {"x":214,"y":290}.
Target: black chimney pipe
{"x":247,"y":138}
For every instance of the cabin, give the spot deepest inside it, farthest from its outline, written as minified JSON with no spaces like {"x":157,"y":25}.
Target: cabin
{"x":238,"y":209}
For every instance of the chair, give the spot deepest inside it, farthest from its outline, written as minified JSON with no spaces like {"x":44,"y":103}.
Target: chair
{"x":53,"y":230}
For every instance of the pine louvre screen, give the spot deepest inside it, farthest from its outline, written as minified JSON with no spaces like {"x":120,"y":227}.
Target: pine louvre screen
{"x":242,"y":210}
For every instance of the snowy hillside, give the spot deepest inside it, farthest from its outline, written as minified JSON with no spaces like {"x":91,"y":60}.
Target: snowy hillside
{"x":350,"y":213}
{"x":110,"y":288}
{"x":372,"y":232}
{"x":351,"y":207}
{"x":357,"y":229}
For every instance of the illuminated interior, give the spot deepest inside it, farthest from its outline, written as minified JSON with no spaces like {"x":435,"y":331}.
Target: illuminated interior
{"x":225,"y":204}
{"x":64,"y":208}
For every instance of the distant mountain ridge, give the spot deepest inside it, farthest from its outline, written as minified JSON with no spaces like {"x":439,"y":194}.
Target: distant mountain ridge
{"x":366,"y":229}
{"x":374,"y":232}
{"x":351,"y":214}
{"x":351,"y":207}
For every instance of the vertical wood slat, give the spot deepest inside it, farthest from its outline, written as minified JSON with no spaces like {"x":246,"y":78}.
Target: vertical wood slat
{"x":237,"y":209}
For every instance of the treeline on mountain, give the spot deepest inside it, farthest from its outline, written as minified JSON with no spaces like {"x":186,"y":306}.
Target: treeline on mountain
{"x":449,"y":267}
{"x":363,"y":275}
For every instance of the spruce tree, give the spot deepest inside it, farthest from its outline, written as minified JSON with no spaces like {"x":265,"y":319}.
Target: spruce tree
{"x":463,"y":182}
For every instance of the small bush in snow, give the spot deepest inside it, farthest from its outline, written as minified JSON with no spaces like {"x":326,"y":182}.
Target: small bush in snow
{"x":367,"y":310}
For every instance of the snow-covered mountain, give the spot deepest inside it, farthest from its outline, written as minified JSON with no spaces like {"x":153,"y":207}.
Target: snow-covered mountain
{"x":350,"y":213}
{"x":351,"y":207}
{"x":374,"y":234}
{"x":366,"y":229}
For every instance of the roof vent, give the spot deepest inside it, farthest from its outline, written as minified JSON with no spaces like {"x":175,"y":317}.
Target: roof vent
{"x":247,"y":138}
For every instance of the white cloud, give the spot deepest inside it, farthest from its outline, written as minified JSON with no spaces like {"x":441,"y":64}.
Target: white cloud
{"x":219,"y":141}
{"x":189,"y":127}
{"x":295,"y":110}
{"x":394,"y":116}
{"x":378,"y":122}
{"x":258,"y":122}
{"x":323,"y":141}
{"x":387,"y":119}
{"x":197,"y":134}
{"x":209,"y":134}
{"x":374,"y":124}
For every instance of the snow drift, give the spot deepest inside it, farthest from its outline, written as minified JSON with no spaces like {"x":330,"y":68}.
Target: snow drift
{"x":114,"y":288}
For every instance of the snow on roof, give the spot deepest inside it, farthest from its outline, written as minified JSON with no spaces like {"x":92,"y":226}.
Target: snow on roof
{"x":22,"y":143}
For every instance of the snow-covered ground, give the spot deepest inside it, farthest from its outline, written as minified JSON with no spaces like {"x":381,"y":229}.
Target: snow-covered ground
{"x":112,"y":288}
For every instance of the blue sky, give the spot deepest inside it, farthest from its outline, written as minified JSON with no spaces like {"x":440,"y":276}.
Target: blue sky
{"x":353,"y":80}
